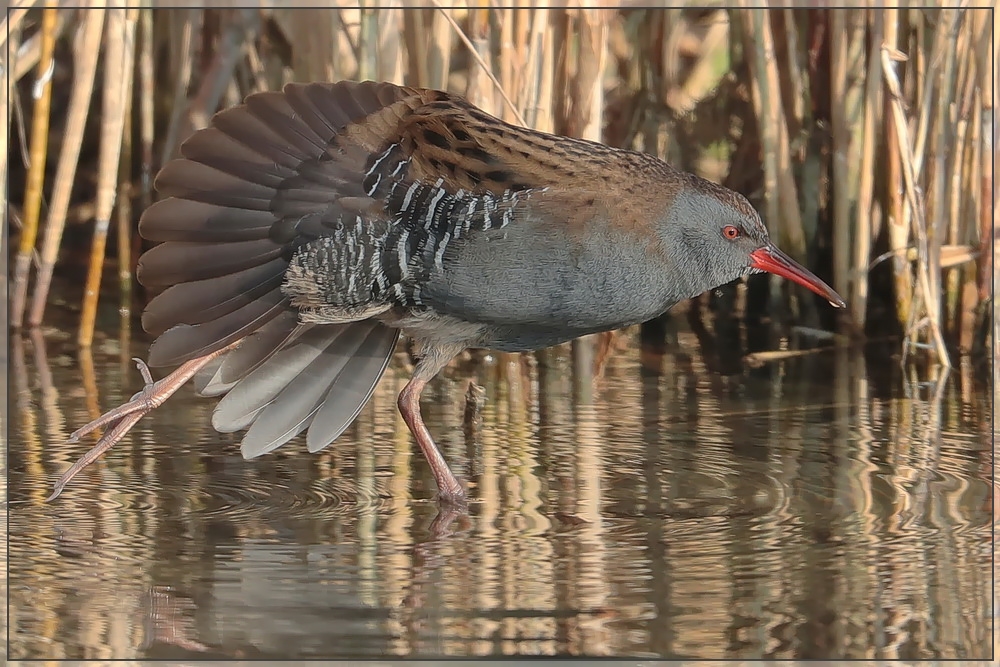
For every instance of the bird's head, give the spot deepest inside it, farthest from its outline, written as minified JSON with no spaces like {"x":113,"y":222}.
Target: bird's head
{"x":717,"y":237}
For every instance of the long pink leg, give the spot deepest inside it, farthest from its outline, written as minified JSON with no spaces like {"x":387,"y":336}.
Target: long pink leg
{"x":450,"y":490}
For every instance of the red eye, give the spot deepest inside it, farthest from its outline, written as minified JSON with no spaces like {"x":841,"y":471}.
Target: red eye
{"x":731,"y":232}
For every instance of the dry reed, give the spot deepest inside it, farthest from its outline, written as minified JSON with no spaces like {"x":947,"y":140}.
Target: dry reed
{"x":85,"y":64}
{"x":36,"y":168}
{"x":119,"y":42}
{"x":875,"y":146}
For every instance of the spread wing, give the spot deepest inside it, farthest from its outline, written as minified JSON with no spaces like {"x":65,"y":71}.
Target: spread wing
{"x":264,"y":180}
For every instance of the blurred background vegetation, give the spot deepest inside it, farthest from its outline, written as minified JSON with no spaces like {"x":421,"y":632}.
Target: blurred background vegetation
{"x":865,"y":137}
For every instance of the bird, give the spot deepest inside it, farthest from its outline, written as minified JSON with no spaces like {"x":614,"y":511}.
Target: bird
{"x":302,"y":231}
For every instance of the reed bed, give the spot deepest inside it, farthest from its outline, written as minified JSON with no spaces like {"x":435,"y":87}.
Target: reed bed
{"x":865,"y":137}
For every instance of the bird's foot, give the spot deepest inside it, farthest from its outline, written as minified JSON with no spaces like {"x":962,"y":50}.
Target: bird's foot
{"x":453,"y":497}
{"x":141,"y":401}
{"x":120,"y":420}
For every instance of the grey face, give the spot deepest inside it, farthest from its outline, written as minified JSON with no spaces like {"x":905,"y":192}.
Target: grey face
{"x":713,"y":236}
{"x":711,"y":240}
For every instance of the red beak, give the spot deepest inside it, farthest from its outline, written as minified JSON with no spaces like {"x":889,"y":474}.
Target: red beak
{"x":771,"y":259}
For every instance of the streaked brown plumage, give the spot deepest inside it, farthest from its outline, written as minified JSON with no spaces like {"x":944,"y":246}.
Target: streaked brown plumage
{"x":303,"y":230}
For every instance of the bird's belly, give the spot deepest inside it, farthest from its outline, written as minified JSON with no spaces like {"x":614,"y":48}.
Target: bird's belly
{"x":535,"y":286}
{"x":445,"y":331}
{"x":435,"y":329}
{"x":527,"y":339}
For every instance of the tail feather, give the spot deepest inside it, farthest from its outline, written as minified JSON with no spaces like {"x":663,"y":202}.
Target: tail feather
{"x":263,"y":385}
{"x":292,"y":410}
{"x":255,"y":349}
{"x":352,"y":389}
{"x":328,"y":372}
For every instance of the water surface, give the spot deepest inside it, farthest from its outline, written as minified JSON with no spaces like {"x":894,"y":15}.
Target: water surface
{"x":828,"y":505}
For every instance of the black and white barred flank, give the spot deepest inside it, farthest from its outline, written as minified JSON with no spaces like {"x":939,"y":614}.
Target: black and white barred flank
{"x":369,"y":264}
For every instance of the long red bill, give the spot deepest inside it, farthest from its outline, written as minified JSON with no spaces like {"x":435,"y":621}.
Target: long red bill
{"x":771,"y":259}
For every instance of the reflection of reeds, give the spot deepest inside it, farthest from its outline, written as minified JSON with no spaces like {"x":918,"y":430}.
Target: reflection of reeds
{"x":705,"y":520}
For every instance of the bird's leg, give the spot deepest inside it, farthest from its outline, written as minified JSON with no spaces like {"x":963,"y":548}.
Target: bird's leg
{"x":450,"y":490}
{"x":125,"y":416}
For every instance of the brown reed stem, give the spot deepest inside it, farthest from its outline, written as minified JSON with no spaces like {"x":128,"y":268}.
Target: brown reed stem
{"x":521,"y":18}
{"x":147,"y":90}
{"x":587,"y":107}
{"x":866,"y":231}
{"x":124,"y":200}
{"x":782,"y":201}
{"x":36,"y":168}
{"x":506,"y":58}
{"x":943,"y":144}
{"x":959,"y":171}
{"x":367,"y":42}
{"x":479,"y":61}
{"x":10,"y":53}
{"x":439,"y":50}
{"x":218,"y":76}
{"x":540,"y":71}
{"x":84,"y":69}
{"x":916,"y":209}
{"x":119,"y":41}
{"x":316,"y":37}
{"x":560,"y":31}
{"x":990,"y":218}
{"x":846,"y":61}
{"x":478,"y":89}
{"x":898,"y":228}
{"x":184,"y":61}
{"x":417,"y":45}
{"x":969,"y":214}
{"x":388,"y":51}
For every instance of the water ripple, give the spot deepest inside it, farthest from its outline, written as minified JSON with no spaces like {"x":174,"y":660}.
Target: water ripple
{"x":321,"y":499}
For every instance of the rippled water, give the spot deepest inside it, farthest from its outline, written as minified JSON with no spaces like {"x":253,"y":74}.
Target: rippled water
{"x":827,"y":506}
